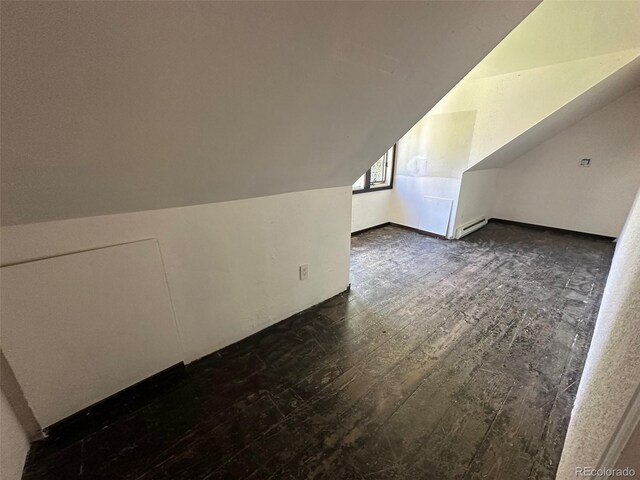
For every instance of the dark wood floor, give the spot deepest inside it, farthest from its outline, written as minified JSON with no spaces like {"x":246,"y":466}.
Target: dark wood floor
{"x":445,"y":360}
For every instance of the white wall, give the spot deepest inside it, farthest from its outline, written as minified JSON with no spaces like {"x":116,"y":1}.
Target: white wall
{"x":545,"y":186}
{"x":431,"y":159}
{"x":78,"y":328}
{"x":409,"y":207}
{"x":14,"y":443}
{"x":370,"y":209}
{"x":477,"y":193}
{"x":611,"y":376}
{"x":232,"y":267}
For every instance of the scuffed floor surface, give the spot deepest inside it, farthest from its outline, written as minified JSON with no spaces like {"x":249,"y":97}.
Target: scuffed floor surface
{"x":445,"y":360}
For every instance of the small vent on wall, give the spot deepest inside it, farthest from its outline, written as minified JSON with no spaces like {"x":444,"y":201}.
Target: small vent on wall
{"x":470,"y":227}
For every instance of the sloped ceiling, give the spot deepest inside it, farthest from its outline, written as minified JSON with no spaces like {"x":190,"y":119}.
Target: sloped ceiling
{"x":112,"y":107}
{"x":565,"y":61}
{"x":622,"y":81}
{"x":565,"y":30}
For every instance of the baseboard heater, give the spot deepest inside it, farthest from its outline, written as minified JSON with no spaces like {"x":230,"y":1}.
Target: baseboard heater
{"x":470,"y":227}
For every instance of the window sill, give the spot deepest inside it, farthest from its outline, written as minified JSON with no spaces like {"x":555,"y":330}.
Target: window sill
{"x":375,"y":189}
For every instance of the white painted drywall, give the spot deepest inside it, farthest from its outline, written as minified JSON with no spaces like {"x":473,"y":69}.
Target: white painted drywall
{"x":78,"y":328}
{"x":14,"y":444}
{"x":408,"y":201}
{"x":430,"y":160}
{"x":113,"y":107}
{"x":611,"y":375}
{"x":232,"y":267}
{"x":477,"y":195}
{"x":435,"y":215}
{"x":545,"y":186}
{"x":370,"y":209}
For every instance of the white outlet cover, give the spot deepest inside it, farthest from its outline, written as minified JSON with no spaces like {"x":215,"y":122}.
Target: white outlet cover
{"x":304,"y":271}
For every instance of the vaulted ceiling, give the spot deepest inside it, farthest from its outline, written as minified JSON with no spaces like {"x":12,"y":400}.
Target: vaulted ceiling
{"x":112,"y":107}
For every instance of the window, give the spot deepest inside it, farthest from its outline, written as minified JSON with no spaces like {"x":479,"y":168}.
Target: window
{"x":379,"y":176}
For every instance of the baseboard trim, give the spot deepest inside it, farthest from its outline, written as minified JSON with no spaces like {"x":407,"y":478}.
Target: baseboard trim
{"x":406,"y":227}
{"x":417,"y":230}
{"x":102,"y":413}
{"x":497,"y":220}
{"x":375,"y":227}
{"x":552,"y":229}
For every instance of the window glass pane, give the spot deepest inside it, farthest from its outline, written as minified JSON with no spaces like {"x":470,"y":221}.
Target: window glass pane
{"x":359,"y":185}
{"x":379,"y":171}
{"x":379,"y":176}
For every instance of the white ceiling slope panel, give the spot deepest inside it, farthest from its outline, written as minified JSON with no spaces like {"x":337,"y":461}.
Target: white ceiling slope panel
{"x":622,"y":81}
{"x":112,"y":107}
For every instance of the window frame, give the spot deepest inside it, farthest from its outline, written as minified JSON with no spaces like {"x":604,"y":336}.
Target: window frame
{"x":367,"y":177}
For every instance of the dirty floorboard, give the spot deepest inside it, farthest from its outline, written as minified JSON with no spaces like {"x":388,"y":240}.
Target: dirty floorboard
{"x":447,"y":359}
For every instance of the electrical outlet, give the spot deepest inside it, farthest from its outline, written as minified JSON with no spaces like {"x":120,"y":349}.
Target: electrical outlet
{"x":304,"y":271}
